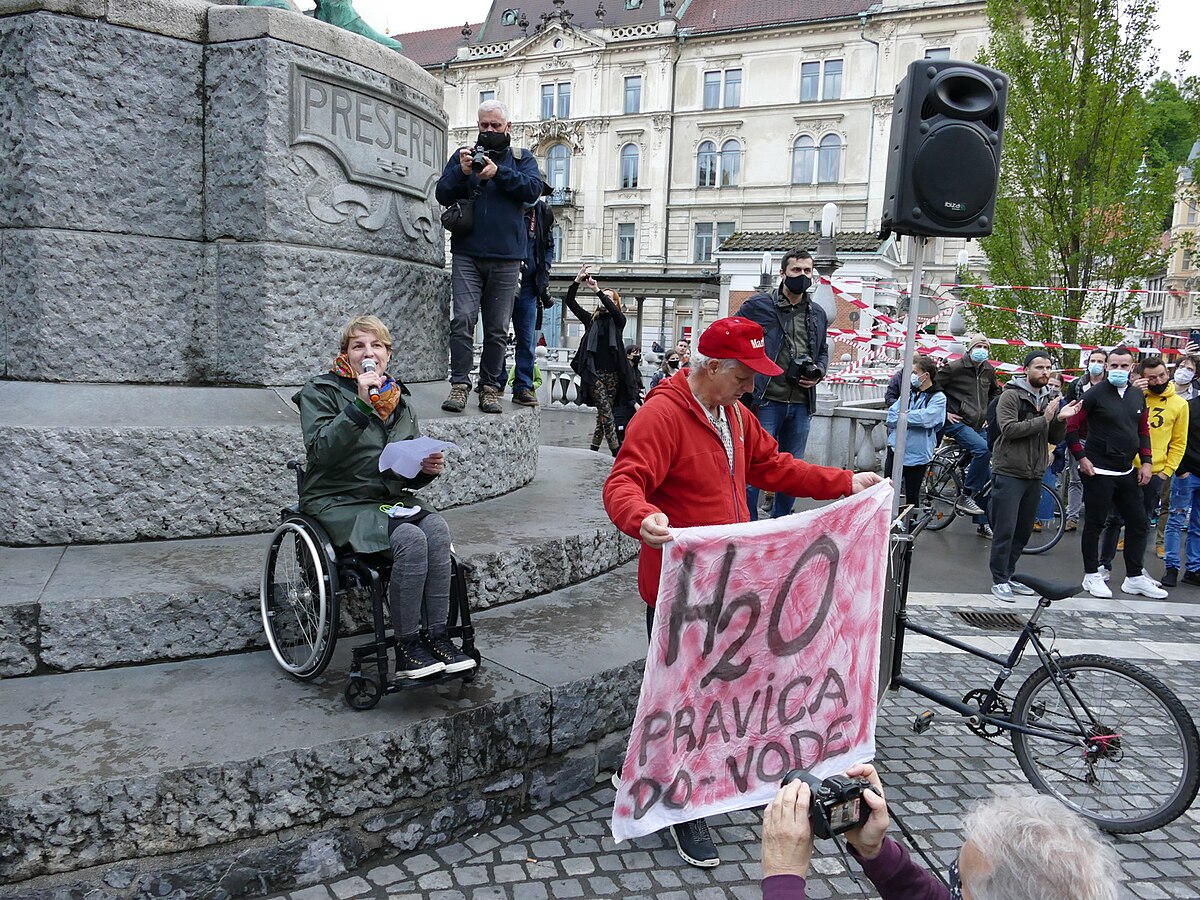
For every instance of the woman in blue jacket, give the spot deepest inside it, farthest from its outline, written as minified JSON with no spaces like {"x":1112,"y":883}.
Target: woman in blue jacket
{"x":926,"y":415}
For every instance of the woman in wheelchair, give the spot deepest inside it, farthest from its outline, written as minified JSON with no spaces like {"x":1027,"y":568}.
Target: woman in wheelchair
{"x":348,"y":415}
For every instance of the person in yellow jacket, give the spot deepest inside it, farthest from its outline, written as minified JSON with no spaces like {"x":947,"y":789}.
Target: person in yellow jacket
{"x":1168,"y":414}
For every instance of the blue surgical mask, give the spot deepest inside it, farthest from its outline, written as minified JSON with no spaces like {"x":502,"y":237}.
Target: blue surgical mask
{"x":1118,"y":377}
{"x":915,"y":379}
{"x":979,"y":354}
{"x":1095,"y":369}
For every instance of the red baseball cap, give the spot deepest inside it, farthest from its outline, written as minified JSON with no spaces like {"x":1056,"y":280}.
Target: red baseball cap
{"x":740,"y":339}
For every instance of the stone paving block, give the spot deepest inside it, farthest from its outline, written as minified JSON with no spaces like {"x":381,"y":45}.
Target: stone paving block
{"x":385,"y":875}
{"x":508,"y":873}
{"x":434,"y":881}
{"x":566,"y":888}
{"x":316,"y":892}
{"x":530,"y":890}
{"x":350,"y":887}
{"x":468,"y":876}
{"x":603,"y":886}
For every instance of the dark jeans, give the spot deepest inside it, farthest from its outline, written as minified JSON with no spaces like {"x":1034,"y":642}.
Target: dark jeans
{"x":1111,"y":534}
{"x":1102,"y":494}
{"x":485,"y":286}
{"x":1012,"y":509}
{"x":912,"y":477}
{"x":524,"y":318}
{"x":788,"y":423}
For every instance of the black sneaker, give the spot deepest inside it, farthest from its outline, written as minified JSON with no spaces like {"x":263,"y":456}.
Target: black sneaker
{"x":1191,"y":577}
{"x":413,"y":660}
{"x":442,"y":648}
{"x":695,"y":844}
{"x":984,"y":531}
{"x":1170,"y":577}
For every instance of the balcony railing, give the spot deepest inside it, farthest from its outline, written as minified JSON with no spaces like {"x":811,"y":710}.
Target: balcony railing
{"x":562,"y":197}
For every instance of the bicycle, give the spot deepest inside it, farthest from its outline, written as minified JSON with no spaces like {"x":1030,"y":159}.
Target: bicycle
{"x":1104,"y":736}
{"x":944,"y":493}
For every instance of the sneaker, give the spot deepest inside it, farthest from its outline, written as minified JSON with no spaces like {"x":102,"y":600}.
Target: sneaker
{"x":968,"y":507}
{"x":457,"y":401}
{"x":695,"y":844}
{"x":1143,"y":586}
{"x":984,"y":531}
{"x":1072,"y":525}
{"x":1160,"y":551}
{"x":413,"y":660}
{"x":1120,"y":545}
{"x":441,"y":648}
{"x":1003,"y":592}
{"x":1037,"y":526}
{"x":1023,"y":590}
{"x":1094,"y":585}
{"x":1191,"y":578}
{"x":1105,"y":572}
{"x":525,"y":398}
{"x":1170,"y":577}
{"x":489,"y":400}
{"x":616,"y":781}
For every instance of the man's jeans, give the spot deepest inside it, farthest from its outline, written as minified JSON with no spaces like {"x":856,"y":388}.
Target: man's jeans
{"x":1185,"y":506}
{"x":788,"y":423}
{"x":524,"y":318}
{"x":980,"y":469}
{"x":487,"y":286}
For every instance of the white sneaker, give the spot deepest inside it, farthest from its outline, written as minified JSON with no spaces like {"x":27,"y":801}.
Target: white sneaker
{"x":1141,"y":584}
{"x":1094,"y":585}
{"x":1023,"y":590}
{"x":1105,"y":572}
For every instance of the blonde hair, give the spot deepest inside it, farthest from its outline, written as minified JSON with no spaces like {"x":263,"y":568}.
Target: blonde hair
{"x":616,"y":298}
{"x":370,"y":324}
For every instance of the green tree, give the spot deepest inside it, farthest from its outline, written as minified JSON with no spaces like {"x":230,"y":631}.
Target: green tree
{"x":1079,"y":205}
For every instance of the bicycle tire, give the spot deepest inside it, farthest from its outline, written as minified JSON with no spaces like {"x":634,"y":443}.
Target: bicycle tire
{"x":298,"y":600}
{"x":941,"y":489}
{"x":1052,"y":528}
{"x":1144,"y":778}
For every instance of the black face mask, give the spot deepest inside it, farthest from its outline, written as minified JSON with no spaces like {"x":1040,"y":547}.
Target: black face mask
{"x":672,"y":364}
{"x":493,"y":141}
{"x":1156,"y":388}
{"x":797,"y":284}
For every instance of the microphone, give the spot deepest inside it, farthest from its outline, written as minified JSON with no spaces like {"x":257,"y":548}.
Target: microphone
{"x":368,"y":365}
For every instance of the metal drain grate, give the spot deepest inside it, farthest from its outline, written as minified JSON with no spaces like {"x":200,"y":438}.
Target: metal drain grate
{"x":994,"y":621}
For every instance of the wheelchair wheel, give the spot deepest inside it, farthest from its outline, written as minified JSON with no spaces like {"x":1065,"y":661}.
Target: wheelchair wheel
{"x":362,"y":692}
{"x":299,"y":599}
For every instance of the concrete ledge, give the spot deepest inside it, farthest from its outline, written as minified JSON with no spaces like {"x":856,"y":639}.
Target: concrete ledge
{"x":192,"y":773}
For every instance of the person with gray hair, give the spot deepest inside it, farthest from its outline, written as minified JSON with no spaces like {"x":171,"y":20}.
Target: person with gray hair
{"x":1024,"y":847}
{"x":499,"y":180}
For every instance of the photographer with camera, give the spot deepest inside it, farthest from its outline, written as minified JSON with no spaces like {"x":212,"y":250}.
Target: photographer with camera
{"x":1014,"y":848}
{"x":794,"y":329}
{"x":490,"y":184}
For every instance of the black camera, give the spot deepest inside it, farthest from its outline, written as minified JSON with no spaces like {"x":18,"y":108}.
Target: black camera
{"x":802,"y":367}
{"x":479,"y":159}
{"x":837,"y":803}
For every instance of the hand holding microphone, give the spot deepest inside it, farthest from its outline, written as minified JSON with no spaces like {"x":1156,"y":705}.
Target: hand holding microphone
{"x":368,"y":368}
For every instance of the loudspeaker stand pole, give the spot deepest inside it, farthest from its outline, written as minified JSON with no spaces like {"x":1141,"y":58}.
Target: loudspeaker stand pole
{"x":917,"y":252}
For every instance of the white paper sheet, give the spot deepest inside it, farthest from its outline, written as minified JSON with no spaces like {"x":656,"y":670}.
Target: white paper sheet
{"x":404,"y":457}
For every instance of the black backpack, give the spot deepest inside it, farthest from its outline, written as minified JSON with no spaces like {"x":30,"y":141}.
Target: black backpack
{"x":993,"y":425}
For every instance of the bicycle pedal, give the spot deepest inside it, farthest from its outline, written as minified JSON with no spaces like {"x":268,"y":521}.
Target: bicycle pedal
{"x":923,"y":722}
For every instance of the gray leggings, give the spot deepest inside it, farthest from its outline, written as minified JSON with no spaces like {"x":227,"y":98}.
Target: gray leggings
{"x":420,"y":575}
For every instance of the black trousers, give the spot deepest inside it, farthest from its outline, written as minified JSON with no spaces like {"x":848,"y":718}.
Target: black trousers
{"x":1012,"y":508}
{"x":1103,"y":494}
{"x":1111,"y":534}
{"x":911,"y":477}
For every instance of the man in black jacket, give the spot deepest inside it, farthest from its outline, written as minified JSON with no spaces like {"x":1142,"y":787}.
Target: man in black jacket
{"x":970,"y":385}
{"x":534,"y":295}
{"x":794,"y":329}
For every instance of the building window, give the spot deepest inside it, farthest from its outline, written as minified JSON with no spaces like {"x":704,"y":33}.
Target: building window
{"x":706,"y":165}
{"x":725,"y":231}
{"x":829,"y":160}
{"x":832,"y":89}
{"x":723,"y":90}
{"x":1187,"y":261}
{"x":633,"y":94}
{"x":813,"y":89}
{"x":704,"y":246}
{"x":556,"y":101}
{"x":629,"y":166}
{"x":937,"y":53}
{"x":802,"y":225}
{"x":804,"y":160}
{"x":633,"y":4}
{"x":558,"y":167}
{"x":1191,"y":213}
{"x":510,"y":16}
{"x":485,"y":96}
{"x":731,"y":163}
{"x":625,"y":242}
{"x":556,"y":236}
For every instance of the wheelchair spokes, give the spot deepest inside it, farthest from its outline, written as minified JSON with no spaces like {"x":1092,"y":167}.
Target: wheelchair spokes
{"x":298,"y":602}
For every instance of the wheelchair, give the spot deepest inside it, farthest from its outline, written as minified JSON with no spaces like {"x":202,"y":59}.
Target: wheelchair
{"x":305,"y":580}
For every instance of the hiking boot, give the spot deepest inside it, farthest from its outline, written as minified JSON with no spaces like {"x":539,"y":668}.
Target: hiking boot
{"x":1191,"y":578}
{"x":413,"y":660}
{"x":525,"y":398}
{"x":968,"y":507}
{"x":1142,"y":586}
{"x":1170,"y":577}
{"x":457,"y":401}
{"x":441,"y":648}
{"x":1094,"y":585}
{"x":1003,"y":592}
{"x":695,"y":844}
{"x":489,"y":400}
{"x":984,"y":531}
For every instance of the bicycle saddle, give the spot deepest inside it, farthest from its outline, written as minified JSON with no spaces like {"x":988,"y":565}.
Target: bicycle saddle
{"x":1051,"y":590}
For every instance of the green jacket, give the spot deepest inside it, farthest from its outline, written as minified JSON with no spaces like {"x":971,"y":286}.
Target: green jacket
{"x":343,"y":487}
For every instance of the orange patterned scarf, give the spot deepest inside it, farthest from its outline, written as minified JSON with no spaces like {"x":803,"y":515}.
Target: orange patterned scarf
{"x":388,"y":398}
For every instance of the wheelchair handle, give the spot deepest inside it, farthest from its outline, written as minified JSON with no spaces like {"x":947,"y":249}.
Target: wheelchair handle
{"x":296,"y":466}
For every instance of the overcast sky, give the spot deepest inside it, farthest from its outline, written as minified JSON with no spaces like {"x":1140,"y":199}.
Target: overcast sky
{"x":1179,"y":21}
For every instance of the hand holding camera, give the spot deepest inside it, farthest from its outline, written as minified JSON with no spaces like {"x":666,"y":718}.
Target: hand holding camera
{"x":803,"y":372}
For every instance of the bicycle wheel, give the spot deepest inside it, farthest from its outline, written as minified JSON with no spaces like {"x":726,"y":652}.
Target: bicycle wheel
{"x":1052,"y":528}
{"x":299,"y":600}
{"x":941,"y":490}
{"x":1137,"y":764}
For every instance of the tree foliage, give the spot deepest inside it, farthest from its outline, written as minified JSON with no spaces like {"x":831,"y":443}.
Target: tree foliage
{"x":1077,"y":207}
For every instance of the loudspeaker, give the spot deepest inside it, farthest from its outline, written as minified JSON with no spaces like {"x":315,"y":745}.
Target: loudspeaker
{"x":944,"y":153}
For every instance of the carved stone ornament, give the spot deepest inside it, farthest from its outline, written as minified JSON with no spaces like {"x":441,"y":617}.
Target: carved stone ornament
{"x":554,"y":131}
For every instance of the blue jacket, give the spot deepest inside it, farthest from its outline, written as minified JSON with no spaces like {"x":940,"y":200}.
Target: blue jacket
{"x":499,"y":231}
{"x":761,"y":309}
{"x":926,"y":414}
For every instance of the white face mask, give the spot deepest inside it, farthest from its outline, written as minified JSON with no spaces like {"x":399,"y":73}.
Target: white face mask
{"x":1184,"y":375}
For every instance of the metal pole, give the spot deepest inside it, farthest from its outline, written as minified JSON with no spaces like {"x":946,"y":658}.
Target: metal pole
{"x":917,"y":247}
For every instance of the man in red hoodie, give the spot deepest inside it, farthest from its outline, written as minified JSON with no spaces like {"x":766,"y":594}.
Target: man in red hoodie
{"x":687,"y":458}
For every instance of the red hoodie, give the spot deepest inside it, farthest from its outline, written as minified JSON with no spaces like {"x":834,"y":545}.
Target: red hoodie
{"x":673,"y":461}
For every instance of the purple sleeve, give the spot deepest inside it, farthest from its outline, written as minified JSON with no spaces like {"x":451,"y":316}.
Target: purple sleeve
{"x":897,"y":877}
{"x":783,"y":887}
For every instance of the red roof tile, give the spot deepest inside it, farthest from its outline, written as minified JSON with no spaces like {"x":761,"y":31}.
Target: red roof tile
{"x":720,"y":15}
{"x":436,"y":46}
